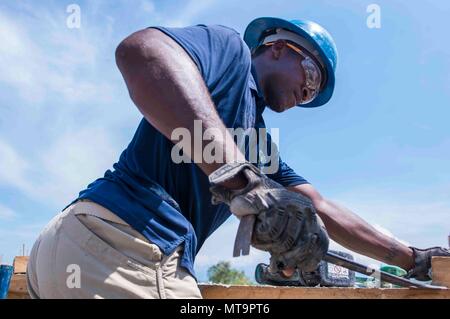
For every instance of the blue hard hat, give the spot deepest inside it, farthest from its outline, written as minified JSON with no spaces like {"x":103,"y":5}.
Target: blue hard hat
{"x":315,"y":34}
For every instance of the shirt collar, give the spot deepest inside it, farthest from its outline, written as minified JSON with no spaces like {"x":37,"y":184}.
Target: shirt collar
{"x":260,"y":102}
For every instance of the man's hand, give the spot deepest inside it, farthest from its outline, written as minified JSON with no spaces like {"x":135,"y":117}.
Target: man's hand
{"x":286,"y":224}
{"x":422,"y":260}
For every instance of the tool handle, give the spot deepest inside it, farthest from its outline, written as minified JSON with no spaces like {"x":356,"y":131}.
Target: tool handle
{"x":384,"y":276}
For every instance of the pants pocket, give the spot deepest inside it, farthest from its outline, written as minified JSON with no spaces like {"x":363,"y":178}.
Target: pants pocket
{"x":103,"y":271}
{"x":108,"y":242}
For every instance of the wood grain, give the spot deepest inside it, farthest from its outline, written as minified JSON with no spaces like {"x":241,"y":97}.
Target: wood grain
{"x":20,"y":264}
{"x":272,"y":292}
{"x":441,"y":271}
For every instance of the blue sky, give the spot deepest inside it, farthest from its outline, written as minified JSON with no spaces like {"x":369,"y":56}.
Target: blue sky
{"x":380,"y":147}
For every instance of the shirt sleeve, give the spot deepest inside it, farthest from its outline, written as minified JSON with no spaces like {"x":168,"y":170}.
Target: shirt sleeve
{"x":213,"y":48}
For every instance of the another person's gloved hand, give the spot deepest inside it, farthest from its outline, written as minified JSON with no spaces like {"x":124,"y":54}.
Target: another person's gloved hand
{"x":286,"y":225}
{"x":422,"y":260}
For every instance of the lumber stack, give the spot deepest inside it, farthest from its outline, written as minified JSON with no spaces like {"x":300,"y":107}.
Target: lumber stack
{"x":18,"y":285}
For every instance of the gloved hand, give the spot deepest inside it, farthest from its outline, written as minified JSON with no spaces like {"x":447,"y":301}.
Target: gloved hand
{"x":422,"y":260}
{"x":286,"y":225}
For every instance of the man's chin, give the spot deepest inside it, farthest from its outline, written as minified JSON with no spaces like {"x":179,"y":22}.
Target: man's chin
{"x":278,"y":107}
{"x":279,"y":103}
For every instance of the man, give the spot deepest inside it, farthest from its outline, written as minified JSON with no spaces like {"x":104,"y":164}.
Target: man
{"x":135,"y":232}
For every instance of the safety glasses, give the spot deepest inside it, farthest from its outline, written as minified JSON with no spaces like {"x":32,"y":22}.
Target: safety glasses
{"x":313,"y":75}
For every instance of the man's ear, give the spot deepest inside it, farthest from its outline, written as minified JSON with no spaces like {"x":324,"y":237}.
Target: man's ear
{"x":277,"y":48}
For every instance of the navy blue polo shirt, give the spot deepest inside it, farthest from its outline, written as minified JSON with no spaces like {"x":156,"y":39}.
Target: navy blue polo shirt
{"x":170,"y":203}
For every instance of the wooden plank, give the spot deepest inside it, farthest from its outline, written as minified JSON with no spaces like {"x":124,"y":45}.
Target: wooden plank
{"x":441,"y":271}
{"x":18,"y":287}
{"x":441,"y":266}
{"x":272,"y":292}
{"x":20,"y":264}
{"x":18,"y":290}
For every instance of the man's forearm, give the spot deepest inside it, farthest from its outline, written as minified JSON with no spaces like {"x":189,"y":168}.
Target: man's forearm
{"x":168,"y":89}
{"x":354,"y":233}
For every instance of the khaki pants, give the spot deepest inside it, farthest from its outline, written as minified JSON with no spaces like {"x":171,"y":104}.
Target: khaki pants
{"x":89,"y":252}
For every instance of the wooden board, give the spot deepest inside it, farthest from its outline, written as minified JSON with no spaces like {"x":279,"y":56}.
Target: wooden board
{"x":18,"y":290}
{"x":20,"y":264}
{"x":441,"y":271}
{"x":18,"y":287}
{"x":272,"y":292}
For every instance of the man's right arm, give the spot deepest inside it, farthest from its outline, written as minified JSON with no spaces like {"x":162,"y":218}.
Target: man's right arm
{"x":168,"y":89}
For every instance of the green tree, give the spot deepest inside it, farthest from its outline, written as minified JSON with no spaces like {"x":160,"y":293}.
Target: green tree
{"x":222,"y":273}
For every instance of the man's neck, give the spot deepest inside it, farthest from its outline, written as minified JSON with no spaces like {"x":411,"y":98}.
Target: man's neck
{"x":257,"y":72}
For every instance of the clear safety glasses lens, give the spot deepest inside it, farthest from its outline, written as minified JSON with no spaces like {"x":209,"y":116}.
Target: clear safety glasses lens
{"x":313,"y":79}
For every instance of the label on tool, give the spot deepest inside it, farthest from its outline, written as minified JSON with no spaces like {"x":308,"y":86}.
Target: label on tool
{"x":337,"y":272}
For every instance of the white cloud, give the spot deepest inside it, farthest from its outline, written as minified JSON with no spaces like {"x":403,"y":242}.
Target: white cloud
{"x":148,"y":6}
{"x":419,"y":220}
{"x":189,"y":12}
{"x":17,"y":66}
{"x":12,"y":240}
{"x":13,"y":167}
{"x":7,"y":213}
{"x":62,"y":148}
{"x":23,"y":232}
{"x":40,"y":68}
{"x":63,"y":168}
{"x":74,"y":160}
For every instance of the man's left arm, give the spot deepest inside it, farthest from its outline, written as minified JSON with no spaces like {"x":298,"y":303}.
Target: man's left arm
{"x":343,"y":226}
{"x":352,"y":232}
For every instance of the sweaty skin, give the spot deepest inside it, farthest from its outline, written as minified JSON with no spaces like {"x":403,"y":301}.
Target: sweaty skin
{"x":167,"y":88}
{"x":169,"y":91}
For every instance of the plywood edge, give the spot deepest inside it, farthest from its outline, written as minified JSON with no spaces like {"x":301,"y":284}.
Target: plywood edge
{"x":441,"y":271}
{"x":273,"y":292}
